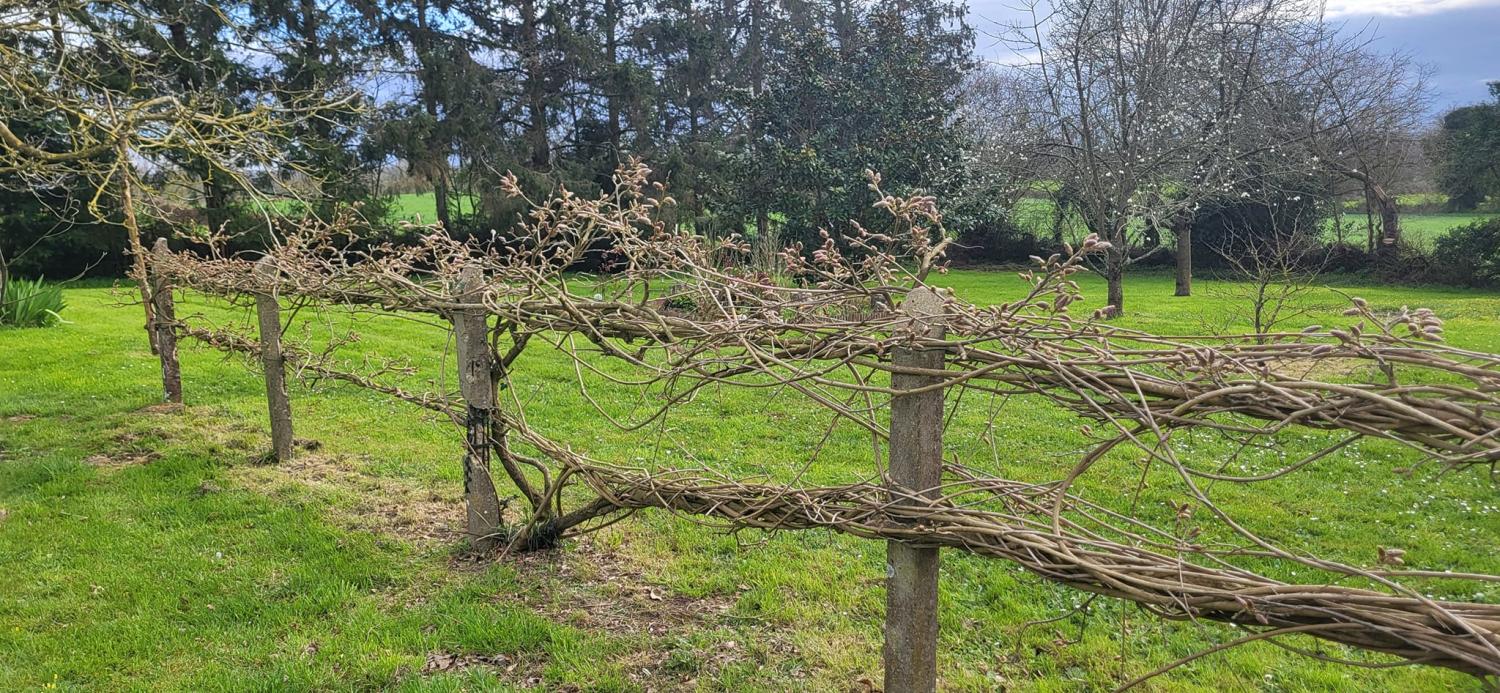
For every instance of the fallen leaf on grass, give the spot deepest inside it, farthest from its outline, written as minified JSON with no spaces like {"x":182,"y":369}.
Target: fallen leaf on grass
{"x":438,"y":662}
{"x":1391,"y":556}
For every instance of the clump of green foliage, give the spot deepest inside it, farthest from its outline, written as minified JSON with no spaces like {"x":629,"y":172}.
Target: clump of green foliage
{"x":31,"y":303}
{"x":1470,"y":255}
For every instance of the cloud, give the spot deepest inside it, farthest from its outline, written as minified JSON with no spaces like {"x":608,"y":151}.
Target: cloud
{"x":1401,"y":8}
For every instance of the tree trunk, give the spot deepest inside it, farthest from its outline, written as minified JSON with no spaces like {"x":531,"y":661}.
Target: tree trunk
{"x":1114,"y":276}
{"x":437,"y":147}
{"x":1338,"y":221}
{"x":1378,"y":200}
{"x":612,"y":60}
{"x":1390,"y":219}
{"x":536,"y":87}
{"x":1184,"y":233}
{"x":1059,"y":215}
{"x":440,"y":194}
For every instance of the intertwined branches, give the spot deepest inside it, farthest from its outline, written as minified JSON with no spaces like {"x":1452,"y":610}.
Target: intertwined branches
{"x":681,"y":314}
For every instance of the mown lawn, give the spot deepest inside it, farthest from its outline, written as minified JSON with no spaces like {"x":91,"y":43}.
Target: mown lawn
{"x":1035,"y":214}
{"x":1422,"y":230}
{"x":147,"y":549}
{"x":422,"y":207}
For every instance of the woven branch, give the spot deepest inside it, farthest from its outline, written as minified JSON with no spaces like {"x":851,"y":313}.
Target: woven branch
{"x":1457,"y":635}
{"x":683,"y":319}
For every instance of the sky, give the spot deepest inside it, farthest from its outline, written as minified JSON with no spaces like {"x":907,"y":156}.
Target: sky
{"x":1458,"y":39}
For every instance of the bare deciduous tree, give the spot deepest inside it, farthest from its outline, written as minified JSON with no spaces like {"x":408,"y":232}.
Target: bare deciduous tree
{"x":1274,"y":260}
{"x":1357,"y":112}
{"x":1144,"y":110}
{"x":1141,"y":108}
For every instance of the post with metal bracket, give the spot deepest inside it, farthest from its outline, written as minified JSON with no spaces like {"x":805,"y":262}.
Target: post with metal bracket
{"x":911,"y":603}
{"x":477,"y":384}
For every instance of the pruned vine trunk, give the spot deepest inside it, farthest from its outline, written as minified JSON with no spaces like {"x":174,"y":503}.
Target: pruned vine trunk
{"x":137,"y":247}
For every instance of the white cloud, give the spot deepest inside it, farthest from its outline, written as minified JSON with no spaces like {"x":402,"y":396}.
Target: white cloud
{"x":1401,"y":8}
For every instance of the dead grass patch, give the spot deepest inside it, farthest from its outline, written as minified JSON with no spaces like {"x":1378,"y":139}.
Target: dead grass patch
{"x":161,"y":408}
{"x":361,"y":500}
{"x":120,"y":459}
{"x":594,"y":588}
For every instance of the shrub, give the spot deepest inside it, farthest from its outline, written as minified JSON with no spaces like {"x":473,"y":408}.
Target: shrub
{"x":996,"y":241}
{"x":1469,"y":255}
{"x":31,"y":303}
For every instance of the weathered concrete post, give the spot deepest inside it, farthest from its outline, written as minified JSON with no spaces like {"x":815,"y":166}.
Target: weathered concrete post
{"x":268,"y":312}
{"x":476,"y":383}
{"x":163,"y":317}
{"x":911,"y":602}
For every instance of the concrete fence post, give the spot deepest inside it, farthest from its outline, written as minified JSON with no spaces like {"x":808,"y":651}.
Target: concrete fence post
{"x":268,"y":314}
{"x":163,"y":326}
{"x":477,"y":385}
{"x":911,"y":616}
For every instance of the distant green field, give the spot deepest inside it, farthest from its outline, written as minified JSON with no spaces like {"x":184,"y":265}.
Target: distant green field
{"x":1035,"y":214}
{"x":1429,"y":227}
{"x":422,"y":207}
{"x":1421,"y":230}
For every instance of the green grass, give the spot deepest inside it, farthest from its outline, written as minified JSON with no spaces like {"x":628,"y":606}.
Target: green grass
{"x":422,"y":207}
{"x":1421,"y":230}
{"x":146,"y":550}
{"x":1427,"y":228}
{"x":1035,"y":214}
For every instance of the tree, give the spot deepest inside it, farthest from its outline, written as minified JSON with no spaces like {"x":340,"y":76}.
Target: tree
{"x":992,"y":108}
{"x":1147,"y":110}
{"x":1466,"y":150}
{"x":311,"y":52}
{"x":1140,"y":110}
{"x":868,"y":88}
{"x":1270,"y":241}
{"x":445,"y":86}
{"x":1356,"y":112}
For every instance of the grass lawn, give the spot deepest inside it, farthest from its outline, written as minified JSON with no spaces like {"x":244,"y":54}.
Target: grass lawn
{"x":422,"y":207}
{"x":1425,"y":229}
{"x":1035,"y":214}
{"x":1421,"y":230}
{"x":146,"y":549}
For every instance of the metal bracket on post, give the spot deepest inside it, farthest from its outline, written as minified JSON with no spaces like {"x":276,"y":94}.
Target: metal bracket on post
{"x":916,"y":466}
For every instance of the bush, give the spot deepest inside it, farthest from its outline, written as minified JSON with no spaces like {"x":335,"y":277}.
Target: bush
{"x":1469,"y":255}
{"x":31,"y":303}
{"x":996,"y":241}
